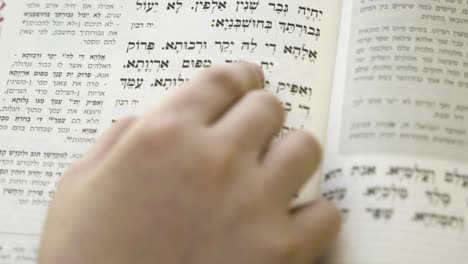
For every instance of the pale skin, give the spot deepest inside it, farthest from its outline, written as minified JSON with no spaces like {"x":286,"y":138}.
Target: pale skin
{"x":194,"y":180}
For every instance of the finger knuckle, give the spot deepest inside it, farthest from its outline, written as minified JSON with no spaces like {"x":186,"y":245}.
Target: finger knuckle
{"x":333,"y":213}
{"x":300,"y":147}
{"x":267,"y":99}
{"x":305,"y":143}
{"x":224,"y":78}
{"x":269,"y":103}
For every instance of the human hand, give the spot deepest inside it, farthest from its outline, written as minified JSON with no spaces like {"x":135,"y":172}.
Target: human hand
{"x":195,"y":180}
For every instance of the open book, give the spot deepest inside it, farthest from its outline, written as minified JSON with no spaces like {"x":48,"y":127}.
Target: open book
{"x":382,"y":84}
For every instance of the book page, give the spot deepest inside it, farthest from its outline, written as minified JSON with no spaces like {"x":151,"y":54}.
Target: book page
{"x":2,"y":7}
{"x":396,"y":160}
{"x":69,"y":68}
